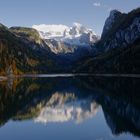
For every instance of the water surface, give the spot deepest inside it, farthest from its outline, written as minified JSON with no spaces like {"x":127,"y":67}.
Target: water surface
{"x":70,"y":108}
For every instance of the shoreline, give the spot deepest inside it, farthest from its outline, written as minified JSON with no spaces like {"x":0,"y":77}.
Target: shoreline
{"x":2,"y":78}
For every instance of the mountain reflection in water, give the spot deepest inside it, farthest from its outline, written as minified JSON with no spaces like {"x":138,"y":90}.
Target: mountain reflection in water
{"x":64,"y":107}
{"x":51,"y":100}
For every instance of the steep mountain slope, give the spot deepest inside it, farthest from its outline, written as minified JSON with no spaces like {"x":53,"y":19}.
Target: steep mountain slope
{"x":125,"y":30}
{"x":119,"y":60}
{"x":18,"y":56}
{"x":119,"y":47}
{"x":27,"y":34}
{"x":115,"y":15}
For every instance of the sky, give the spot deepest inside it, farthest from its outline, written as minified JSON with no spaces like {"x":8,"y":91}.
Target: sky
{"x":91,"y":13}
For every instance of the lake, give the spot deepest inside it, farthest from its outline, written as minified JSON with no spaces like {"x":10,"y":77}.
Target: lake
{"x":70,"y":108}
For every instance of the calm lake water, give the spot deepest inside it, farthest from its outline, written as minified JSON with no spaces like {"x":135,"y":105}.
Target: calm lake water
{"x":70,"y":108}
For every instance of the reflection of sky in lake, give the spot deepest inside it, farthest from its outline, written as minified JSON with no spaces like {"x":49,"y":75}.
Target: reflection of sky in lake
{"x":93,"y":128}
{"x":70,"y":108}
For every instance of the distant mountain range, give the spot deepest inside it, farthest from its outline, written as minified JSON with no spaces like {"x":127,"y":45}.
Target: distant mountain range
{"x":63,"y":49}
{"x":62,"y":39}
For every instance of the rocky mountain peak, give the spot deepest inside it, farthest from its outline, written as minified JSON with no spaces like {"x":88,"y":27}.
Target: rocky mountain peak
{"x":115,"y":12}
{"x":113,"y":17}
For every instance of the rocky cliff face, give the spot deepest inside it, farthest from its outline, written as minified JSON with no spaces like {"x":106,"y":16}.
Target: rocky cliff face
{"x":121,"y":30}
{"x":113,"y":17}
{"x":119,"y":48}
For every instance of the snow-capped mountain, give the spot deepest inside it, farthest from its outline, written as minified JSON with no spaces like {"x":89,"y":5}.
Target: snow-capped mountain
{"x":50,"y":31}
{"x":60,"y":37}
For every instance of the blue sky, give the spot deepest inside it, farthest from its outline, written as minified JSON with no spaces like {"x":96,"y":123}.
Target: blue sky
{"x":91,"y":13}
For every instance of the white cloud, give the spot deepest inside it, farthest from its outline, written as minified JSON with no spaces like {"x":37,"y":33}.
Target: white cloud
{"x":97,"y":4}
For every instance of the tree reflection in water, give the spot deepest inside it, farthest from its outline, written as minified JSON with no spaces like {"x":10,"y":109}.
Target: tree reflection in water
{"x":47,"y":100}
